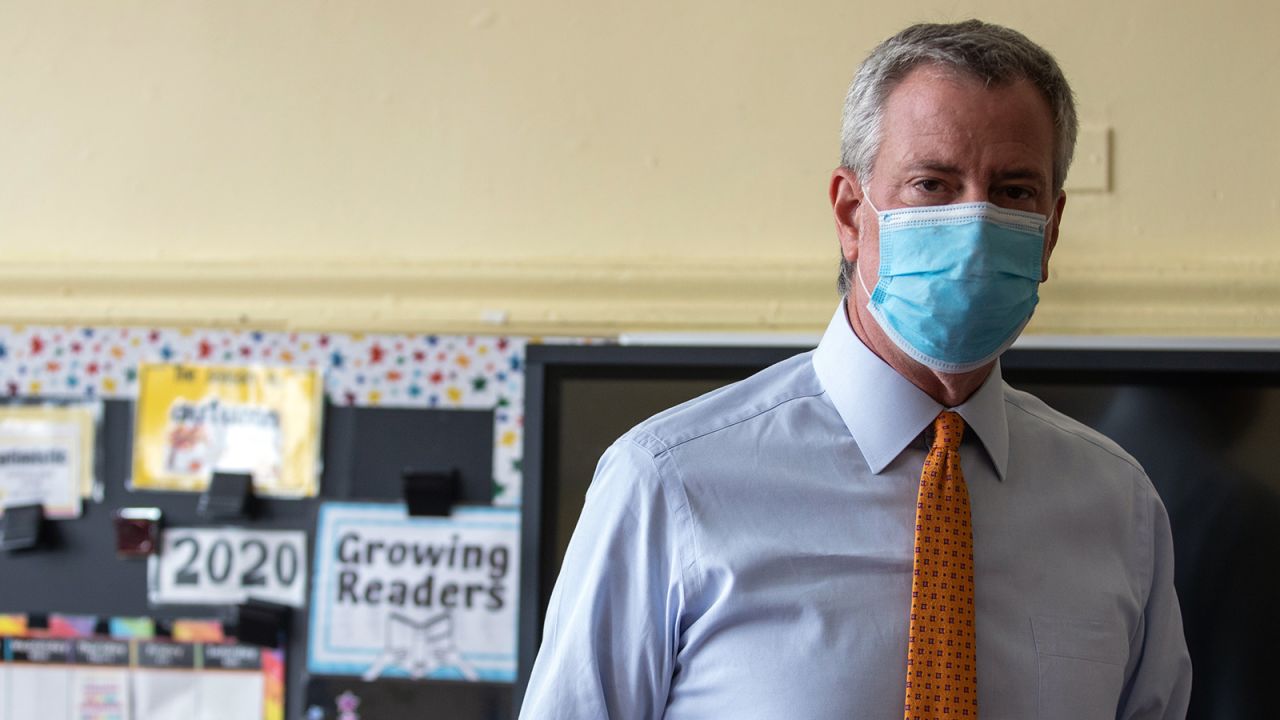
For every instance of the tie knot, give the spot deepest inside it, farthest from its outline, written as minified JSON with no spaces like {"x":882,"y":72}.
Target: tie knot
{"x":948,"y":428}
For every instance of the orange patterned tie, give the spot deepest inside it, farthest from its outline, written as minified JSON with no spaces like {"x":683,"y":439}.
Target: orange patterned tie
{"x":942,"y":673}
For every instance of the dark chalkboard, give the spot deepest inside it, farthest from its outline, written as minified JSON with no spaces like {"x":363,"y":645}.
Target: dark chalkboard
{"x":1204,"y":423}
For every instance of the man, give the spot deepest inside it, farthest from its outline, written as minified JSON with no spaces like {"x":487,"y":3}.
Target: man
{"x":881,"y":528}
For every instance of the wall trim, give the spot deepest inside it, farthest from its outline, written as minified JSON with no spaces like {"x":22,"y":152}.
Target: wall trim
{"x":1133,"y":296}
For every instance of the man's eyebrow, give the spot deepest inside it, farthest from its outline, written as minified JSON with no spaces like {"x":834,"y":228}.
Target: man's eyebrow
{"x":937,"y":166}
{"x":1013,"y":173}
{"x":1021,"y":173}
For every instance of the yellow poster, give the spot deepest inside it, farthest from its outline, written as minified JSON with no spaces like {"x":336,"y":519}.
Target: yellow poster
{"x":193,"y":421}
{"x":46,"y":456}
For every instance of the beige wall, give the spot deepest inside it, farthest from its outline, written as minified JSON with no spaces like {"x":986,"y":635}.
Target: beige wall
{"x":580,"y":166}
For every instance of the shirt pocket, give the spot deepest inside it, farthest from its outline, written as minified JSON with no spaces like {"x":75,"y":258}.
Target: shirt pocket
{"x":1081,"y":667}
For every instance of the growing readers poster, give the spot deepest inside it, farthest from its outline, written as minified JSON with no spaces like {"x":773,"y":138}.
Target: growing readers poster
{"x":415,"y":597}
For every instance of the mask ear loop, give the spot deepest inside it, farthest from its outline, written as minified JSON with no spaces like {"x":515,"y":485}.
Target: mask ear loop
{"x":862,"y":283}
{"x":866,"y":196}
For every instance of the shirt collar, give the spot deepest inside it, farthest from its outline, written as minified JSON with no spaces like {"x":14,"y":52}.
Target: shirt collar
{"x":884,"y":412}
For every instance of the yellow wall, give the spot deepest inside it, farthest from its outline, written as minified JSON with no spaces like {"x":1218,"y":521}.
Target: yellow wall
{"x":580,"y":166}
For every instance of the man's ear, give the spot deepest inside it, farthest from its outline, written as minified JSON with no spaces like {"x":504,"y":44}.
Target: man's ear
{"x":846,"y":196}
{"x":1052,"y":241}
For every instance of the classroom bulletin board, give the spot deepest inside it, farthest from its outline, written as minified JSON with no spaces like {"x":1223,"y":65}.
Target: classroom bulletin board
{"x":388,"y":402}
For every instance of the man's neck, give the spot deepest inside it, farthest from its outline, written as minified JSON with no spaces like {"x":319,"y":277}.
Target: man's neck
{"x":950,"y":390}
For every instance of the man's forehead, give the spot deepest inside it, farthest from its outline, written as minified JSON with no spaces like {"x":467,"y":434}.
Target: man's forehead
{"x":935,"y":89}
{"x":938,"y":118}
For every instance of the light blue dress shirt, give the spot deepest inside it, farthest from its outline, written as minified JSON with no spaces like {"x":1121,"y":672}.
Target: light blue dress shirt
{"x":748,"y":555}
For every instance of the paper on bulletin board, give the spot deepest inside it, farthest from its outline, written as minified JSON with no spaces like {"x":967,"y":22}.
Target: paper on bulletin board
{"x":228,"y":566}
{"x":100,"y":680}
{"x":46,"y":456}
{"x":39,"y":678}
{"x":206,"y":681}
{"x":415,"y":597}
{"x":13,"y":625}
{"x":192,"y":421}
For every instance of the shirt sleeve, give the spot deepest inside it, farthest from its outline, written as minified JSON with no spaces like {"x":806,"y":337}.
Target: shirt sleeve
{"x":609,"y":642}
{"x":1160,"y":685}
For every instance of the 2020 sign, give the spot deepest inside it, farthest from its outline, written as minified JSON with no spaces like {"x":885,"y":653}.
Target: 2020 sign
{"x":220,"y":566}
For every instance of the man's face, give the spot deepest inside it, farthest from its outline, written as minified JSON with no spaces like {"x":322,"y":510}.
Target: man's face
{"x":947,"y":138}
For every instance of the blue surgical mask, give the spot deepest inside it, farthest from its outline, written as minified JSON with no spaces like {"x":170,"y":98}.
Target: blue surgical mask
{"x":957,"y":283}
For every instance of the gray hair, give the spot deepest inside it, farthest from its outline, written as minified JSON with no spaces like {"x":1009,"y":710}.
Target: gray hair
{"x":994,"y":54}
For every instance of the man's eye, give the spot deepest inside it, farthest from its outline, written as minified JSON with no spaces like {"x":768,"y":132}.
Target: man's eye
{"x":1019,"y":193}
{"x":929,"y":186}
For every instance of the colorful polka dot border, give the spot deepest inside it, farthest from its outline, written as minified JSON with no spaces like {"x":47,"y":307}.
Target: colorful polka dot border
{"x":365,"y":370}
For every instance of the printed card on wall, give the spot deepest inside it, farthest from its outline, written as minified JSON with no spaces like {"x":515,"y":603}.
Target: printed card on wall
{"x":227,"y":566}
{"x":39,"y":678}
{"x":192,"y":421}
{"x":46,"y":456}
{"x":100,"y":680}
{"x":415,"y":597}
{"x":164,"y":680}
